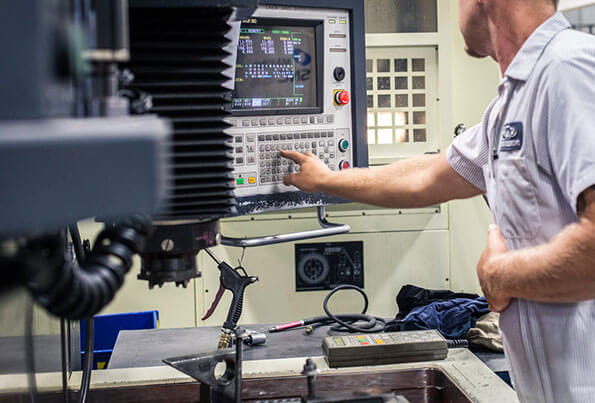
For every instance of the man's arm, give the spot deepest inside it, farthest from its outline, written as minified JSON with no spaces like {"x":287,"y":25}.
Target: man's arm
{"x":416,"y":182}
{"x":561,"y":271}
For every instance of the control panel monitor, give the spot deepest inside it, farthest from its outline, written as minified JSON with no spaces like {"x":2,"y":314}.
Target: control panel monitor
{"x":277,"y":67}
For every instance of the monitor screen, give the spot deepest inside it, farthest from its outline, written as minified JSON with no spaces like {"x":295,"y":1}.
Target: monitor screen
{"x":277,"y":68}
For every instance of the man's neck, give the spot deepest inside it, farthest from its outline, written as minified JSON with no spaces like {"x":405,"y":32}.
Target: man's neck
{"x":511,"y":29}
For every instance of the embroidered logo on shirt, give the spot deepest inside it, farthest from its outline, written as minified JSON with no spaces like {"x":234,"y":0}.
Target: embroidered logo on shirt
{"x":512,"y":137}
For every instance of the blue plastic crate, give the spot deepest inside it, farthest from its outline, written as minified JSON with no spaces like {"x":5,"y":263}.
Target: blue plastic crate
{"x":107,"y":328}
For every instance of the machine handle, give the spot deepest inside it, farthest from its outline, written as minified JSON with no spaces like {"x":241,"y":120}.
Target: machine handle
{"x":327,"y":229}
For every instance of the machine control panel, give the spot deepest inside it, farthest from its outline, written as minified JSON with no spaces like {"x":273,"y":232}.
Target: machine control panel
{"x":292,"y":92}
{"x":324,"y":266}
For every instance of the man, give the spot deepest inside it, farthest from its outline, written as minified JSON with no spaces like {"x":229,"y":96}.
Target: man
{"x":534,"y":157}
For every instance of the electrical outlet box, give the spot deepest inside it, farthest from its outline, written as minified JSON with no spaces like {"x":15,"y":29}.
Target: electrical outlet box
{"x":324,"y":266}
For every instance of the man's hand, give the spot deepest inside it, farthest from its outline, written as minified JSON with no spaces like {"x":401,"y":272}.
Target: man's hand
{"x":313,"y":172}
{"x":487,"y":271}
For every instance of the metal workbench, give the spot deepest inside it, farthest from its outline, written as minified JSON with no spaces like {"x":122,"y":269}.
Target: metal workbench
{"x":283,"y":355}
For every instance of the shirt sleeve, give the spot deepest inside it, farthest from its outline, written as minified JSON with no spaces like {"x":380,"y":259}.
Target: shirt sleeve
{"x":571,"y":124}
{"x":468,"y":154}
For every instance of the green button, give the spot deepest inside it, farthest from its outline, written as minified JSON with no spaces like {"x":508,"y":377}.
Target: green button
{"x":240,"y":181}
{"x":343,"y":145}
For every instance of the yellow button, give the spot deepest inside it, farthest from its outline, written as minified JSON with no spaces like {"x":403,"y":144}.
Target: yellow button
{"x":379,"y":341}
{"x":342,"y":21}
{"x":252,"y":180}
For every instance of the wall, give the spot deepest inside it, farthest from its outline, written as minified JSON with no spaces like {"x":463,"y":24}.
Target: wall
{"x":474,"y":85}
{"x":574,"y":4}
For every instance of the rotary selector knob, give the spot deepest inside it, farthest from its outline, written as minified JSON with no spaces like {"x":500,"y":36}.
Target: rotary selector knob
{"x":342,"y":97}
{"x":344,"y":165}
{"x":343,"y":145}
{"x":339,"y":73}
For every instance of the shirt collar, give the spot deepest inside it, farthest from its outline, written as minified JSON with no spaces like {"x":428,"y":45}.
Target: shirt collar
{"x":525,"y":60}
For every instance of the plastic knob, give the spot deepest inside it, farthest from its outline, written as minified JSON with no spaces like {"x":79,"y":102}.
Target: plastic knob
{"x":339,"y":73}
{"x":344,"y":165}
{"x":342,"y":97}
{"x":343,"y":145}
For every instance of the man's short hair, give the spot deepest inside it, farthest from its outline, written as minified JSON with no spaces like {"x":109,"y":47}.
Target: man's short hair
{"x":556,"y":3}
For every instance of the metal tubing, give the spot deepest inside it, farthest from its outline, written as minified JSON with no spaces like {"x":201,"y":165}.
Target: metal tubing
{"x":328,"y":229}
{"x":238,"y":369}
{"x":64,"y":356}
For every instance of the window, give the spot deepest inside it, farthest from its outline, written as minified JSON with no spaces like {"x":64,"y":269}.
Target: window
{"x":401,"y":16}
{"x":582,"y":19}
{"x":401,"y":99}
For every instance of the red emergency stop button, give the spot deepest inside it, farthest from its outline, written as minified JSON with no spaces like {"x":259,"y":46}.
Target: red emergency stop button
{"x":344,"y":165}
{"x":342,"y":97}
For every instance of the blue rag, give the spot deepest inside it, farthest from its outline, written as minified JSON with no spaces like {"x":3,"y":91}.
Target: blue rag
{"x":452,"y":318}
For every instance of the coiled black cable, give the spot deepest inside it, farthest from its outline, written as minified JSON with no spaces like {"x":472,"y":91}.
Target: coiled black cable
{"x":457,"y":343}
{"x":359,"y":323}
{"x":79,"y":291}
{"x":237,"y":313}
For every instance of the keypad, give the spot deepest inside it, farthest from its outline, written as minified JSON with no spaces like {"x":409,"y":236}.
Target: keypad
{"x":272,"y":167}
{"x":244,"y":150}
{"x":261,"y":151}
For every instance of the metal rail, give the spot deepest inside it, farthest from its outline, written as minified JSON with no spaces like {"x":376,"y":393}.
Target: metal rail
{"x":328,"y":229}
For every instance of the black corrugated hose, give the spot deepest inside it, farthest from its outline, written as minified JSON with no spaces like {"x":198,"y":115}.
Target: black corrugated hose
{"x":72,"y":290}
{"x":79,"y":291}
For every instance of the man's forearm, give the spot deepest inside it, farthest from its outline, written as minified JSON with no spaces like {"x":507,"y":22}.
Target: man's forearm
{"x":416,"y":182}
{"x":561,"y":271}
